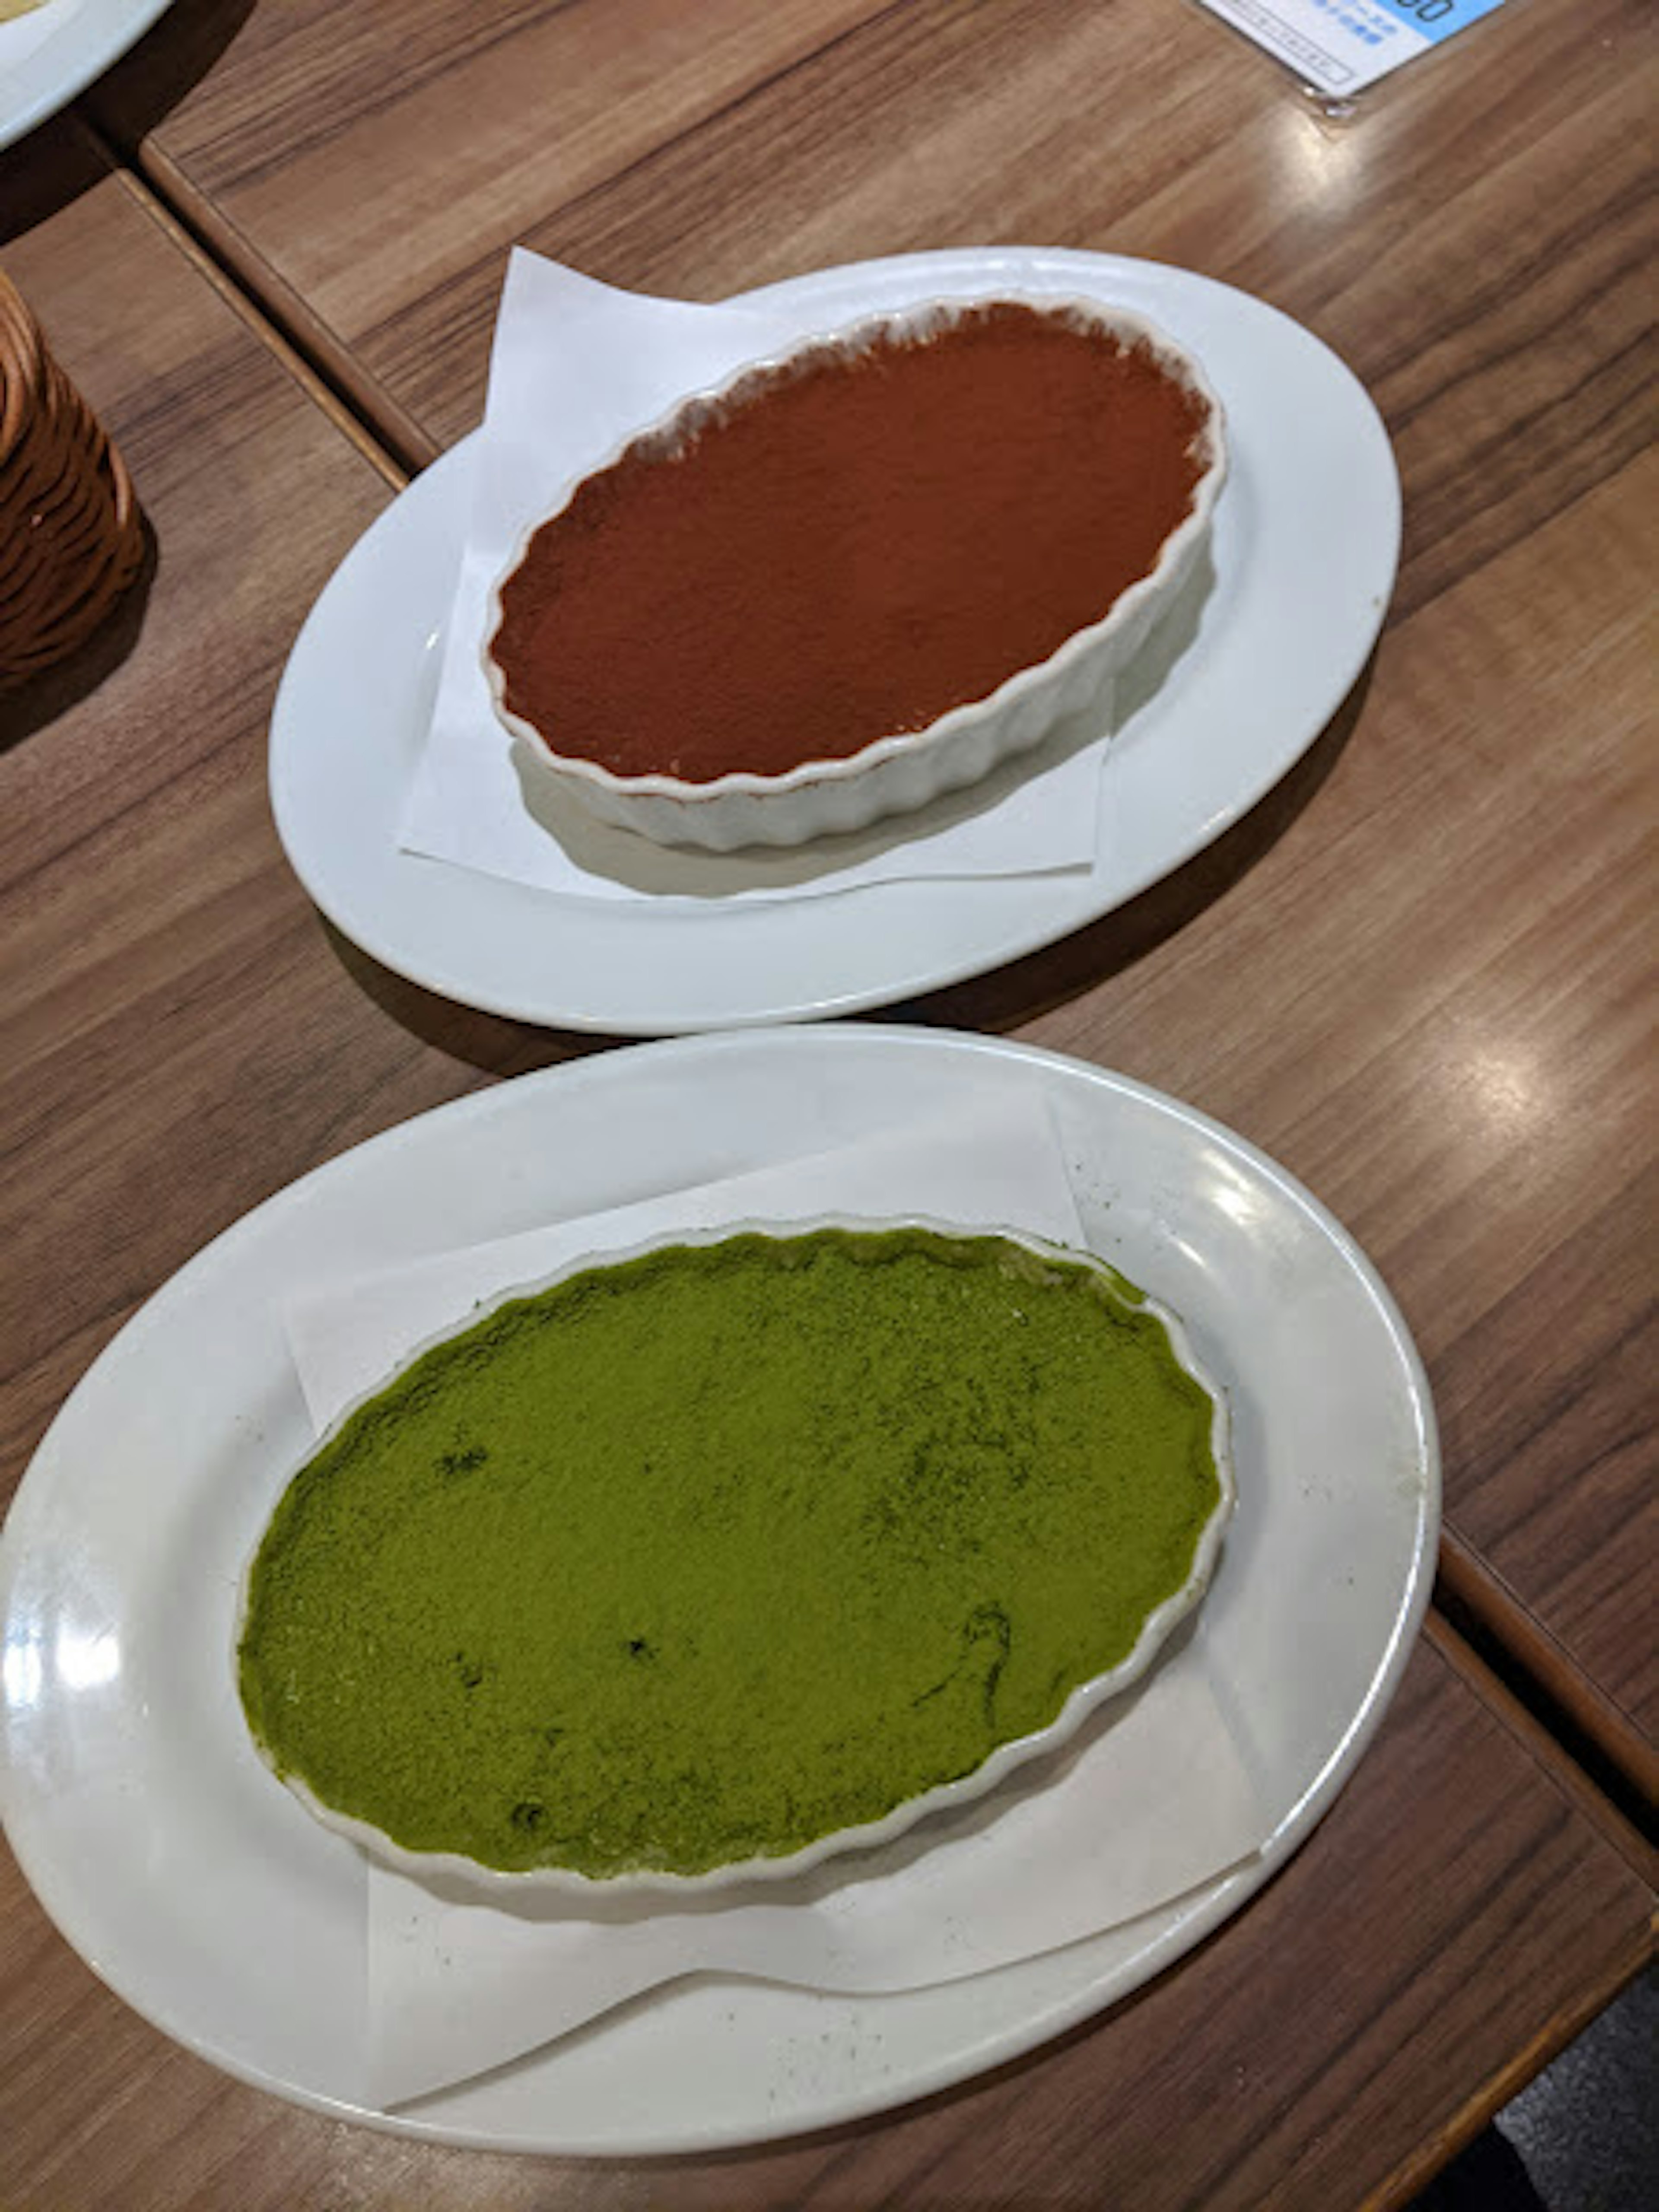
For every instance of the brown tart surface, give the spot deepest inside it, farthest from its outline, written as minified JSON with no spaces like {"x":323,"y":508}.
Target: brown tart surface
{"x":849,"y":546}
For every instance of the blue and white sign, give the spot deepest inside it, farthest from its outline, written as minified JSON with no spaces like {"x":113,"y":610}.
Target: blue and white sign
{"x":1342,"y":46}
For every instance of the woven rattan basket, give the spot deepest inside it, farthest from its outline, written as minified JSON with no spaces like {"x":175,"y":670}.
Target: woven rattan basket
{"x":72,"y":538}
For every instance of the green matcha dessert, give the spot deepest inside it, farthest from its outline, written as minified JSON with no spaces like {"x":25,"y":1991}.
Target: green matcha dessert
{"x":704,"y":1556}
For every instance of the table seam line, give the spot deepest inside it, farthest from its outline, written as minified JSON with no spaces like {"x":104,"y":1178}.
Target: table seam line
{"x":1492,"y":1618}
{"x":1520,"y":1706}
{"x":310,"y":364}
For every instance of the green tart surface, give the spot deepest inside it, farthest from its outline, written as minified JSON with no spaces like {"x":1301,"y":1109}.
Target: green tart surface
{"x":704,"y":1555}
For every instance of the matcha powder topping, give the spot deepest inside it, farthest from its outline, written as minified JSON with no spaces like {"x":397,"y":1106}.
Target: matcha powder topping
{"x":703,"y":1556}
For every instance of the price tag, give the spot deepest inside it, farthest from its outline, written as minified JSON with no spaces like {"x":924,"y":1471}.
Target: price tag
{"x":1342,"y":46}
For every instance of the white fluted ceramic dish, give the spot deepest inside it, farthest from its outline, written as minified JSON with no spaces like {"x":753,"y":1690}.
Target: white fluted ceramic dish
{"x":1086,"y":1699}
{"x":899,"y":774}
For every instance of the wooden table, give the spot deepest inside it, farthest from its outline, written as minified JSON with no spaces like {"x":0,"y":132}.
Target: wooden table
{"x":268,"y":247}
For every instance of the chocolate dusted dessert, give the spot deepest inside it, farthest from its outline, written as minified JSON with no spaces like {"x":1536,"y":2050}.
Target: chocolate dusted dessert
{"x":850,"y":545}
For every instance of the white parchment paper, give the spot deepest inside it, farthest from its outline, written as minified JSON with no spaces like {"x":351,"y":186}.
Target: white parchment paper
{"x":1151,"y":1800}
{"x":576,"y":367}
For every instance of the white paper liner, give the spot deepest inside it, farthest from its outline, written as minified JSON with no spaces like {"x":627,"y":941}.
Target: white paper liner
{"x":576,"y":366}
{"x":1153,"y":1798}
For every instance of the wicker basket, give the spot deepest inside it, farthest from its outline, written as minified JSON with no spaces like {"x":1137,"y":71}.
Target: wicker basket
{"x":71,"y":538}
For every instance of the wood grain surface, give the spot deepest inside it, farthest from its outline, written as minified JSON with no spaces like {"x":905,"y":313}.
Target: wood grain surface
{"x":1420,"y":973}
{"x":1471,"y":239}
{"x":1433,"y":997}
{"x":169,"y":995}
{"x":1449,"y":1926}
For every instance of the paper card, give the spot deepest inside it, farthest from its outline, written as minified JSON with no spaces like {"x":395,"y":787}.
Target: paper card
{"x":576,"y":367}
{"x":1151,"y":1800}
{"x":1343,"y":45}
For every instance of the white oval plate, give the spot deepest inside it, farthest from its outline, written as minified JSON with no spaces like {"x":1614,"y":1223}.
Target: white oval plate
{"x":149,"y":1829}
{"x":53,"y":53}
{"x":1304,"y":547}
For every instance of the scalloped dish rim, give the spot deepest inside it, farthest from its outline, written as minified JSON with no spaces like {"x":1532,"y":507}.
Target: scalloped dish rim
{"x":1087,"y":655}
{"x":503,"y":1885}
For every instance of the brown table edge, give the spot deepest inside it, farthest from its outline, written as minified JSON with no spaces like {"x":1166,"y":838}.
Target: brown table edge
{"x":1531,"y":1728}
{"x":1537,"y":1675}
{"x":1527,"y":1718}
